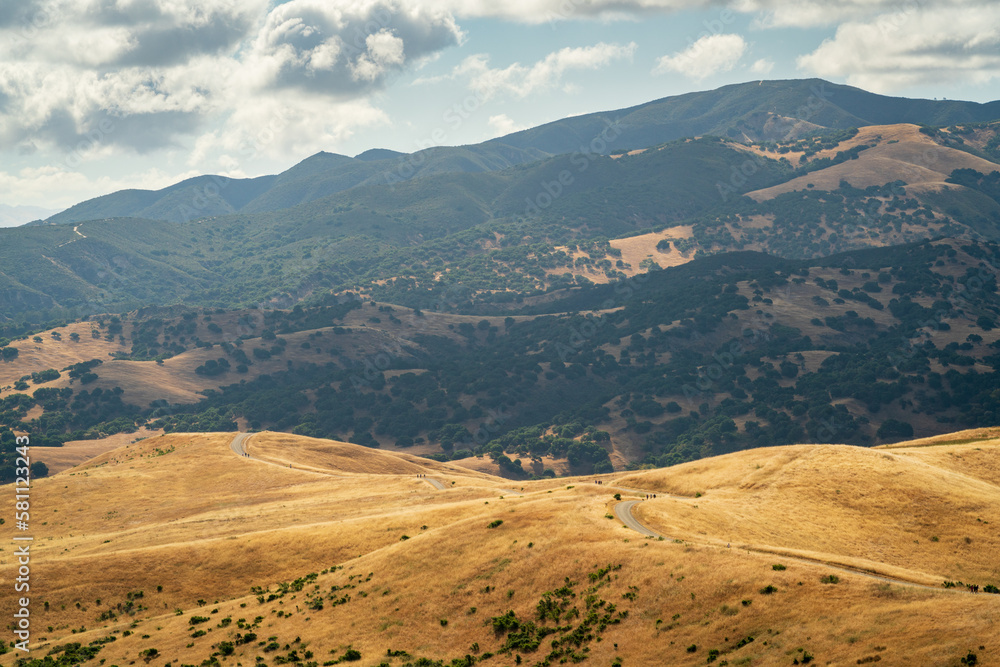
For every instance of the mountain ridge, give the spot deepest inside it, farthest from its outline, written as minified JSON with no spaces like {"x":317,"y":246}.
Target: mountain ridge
{"x":743,"y":111}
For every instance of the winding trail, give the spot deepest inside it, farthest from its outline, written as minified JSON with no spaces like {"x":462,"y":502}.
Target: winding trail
{"x":238,"y":444}
{"x":239,"y":447}
{"x":76,"y":230}
{"x":623,"y":510}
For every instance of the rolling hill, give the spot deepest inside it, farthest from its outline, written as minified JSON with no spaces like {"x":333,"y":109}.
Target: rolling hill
{"x":638,"y":387}
{"x":312,"y":550}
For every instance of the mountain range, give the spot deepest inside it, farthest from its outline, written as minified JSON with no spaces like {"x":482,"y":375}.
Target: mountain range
{"x":562,"y":295}
{"x":756,"y":111}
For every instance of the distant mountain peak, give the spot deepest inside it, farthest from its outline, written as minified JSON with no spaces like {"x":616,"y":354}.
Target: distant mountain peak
{"x":373,"y":154}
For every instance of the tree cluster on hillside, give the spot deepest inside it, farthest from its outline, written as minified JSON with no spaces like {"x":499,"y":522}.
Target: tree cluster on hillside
{"x":688,"y":361}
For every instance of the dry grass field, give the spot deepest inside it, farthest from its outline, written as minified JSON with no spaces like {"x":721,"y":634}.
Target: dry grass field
{"x":312,"y":550}
{"x":898,"y":152}
{"x":35,"y":356}
{"x":75,"y":452}
{"x":888,"y":511}
{"x":635,"y":249}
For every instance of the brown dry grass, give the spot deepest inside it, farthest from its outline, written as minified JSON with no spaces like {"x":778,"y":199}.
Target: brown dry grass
{"x":51,"y":353}
{"x":486,"y":465}
{"x":843,"y":504}
{"x":637,"y":248}
{"x":634,"y":249}
{"x":77,"y":452}
{"x":184,"y":513}
{"x":914,"y":158}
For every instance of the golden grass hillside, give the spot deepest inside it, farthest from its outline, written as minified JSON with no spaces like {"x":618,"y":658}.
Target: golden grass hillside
{"x":898,"y":511}
{"x":75,"y":452}
{"x":188,"y":554}
{"x":898,"y":152}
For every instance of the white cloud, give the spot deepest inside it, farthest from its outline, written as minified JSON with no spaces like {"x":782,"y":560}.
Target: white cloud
{"x":158,"y":71}
{"x":544,"y":11}
{"x":58,"y":186}
{"x":762,"y":66}
{"x":502,"y":124}
{"x":344,"y":49}
{"x":546,"y":74}
{"x":901,"y":49}
{"x":710,"y":55}
{"x":814,"y":13}
{"x":384,"y":53}
{"x":126,"y":34}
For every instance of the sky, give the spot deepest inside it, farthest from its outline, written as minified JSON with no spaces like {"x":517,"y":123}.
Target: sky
{"x":102,"y":95}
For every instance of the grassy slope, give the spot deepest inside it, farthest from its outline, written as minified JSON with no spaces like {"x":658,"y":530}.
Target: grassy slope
{"x":184,"y":513}
{"x":912,"y":157}
{"x":834,"y":502}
